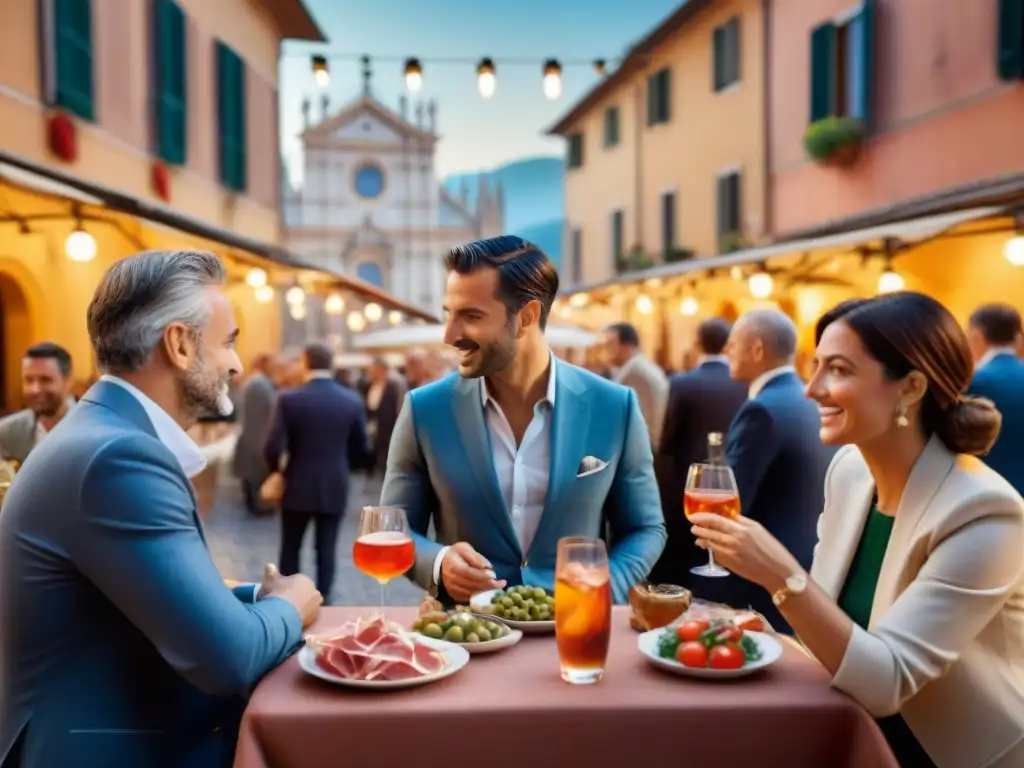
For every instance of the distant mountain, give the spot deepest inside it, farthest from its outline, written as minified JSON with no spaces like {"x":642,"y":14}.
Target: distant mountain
{"x":534,"y":197}
{"x":547,"y":236}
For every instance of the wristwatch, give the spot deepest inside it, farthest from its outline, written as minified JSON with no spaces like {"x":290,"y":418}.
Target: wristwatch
{"x":795,"y":585}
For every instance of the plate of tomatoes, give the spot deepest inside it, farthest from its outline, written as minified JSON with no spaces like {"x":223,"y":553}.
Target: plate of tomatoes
{"x":709,"y":649}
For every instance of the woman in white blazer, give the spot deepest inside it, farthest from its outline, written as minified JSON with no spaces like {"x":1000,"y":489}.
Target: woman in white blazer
{"x":915,"y":600}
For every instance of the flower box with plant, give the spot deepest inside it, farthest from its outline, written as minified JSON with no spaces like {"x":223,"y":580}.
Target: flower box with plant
{"x":835,"y":140}
{"x":674,"y":255}
{"x":633,"y":261}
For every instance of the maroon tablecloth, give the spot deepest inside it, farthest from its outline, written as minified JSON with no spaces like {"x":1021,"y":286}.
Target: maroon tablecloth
{"x":511,"y":708}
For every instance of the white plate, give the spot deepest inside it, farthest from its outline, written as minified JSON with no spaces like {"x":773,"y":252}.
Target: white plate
{"x":771,"y":650}
{"x":481,"y":602}
{"x":455,"y":656}
{"x":490,"y":646}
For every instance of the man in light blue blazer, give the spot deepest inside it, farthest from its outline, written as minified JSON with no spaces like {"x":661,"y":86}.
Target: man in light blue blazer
{"x":120,"y":645}
{"x":518,"y":449}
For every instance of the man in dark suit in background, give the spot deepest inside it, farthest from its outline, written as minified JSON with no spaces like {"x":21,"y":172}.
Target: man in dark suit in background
{"x":993,"y":332}
{"x":321,"y":426}
{"x":700,"y":401}
{"x":774,"y":448}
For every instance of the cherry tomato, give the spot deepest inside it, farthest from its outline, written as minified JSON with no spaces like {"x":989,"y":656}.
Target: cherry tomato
{"x":727,"y":656}
{"x":750,"y":623}
{"x":729,"y":634}
{"x":692,"y":654}
{"x":689,"y":631}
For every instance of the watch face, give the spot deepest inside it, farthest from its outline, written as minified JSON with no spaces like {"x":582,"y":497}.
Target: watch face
{"x":796,"y":584}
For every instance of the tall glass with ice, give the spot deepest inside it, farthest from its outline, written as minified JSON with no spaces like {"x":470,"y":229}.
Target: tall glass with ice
{"x":583,"y":609}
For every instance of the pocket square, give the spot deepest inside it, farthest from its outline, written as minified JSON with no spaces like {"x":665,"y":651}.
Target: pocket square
{"x":590,"y":465}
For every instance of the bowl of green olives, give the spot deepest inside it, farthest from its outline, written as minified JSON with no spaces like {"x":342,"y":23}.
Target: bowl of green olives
{"x":526,"y":608}
{"x":477,"y":634}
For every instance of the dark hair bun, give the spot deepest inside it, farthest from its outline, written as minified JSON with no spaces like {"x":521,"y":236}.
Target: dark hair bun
{"x":971,"y":425}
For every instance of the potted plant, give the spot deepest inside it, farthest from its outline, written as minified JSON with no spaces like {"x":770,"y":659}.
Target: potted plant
{"x":835,"y":140}
{"x":673,"y":255}
{"x":731,"y":242}
{"x":633,"y":261}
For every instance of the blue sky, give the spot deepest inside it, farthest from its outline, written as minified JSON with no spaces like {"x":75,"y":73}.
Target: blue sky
{"x":476,"y":133}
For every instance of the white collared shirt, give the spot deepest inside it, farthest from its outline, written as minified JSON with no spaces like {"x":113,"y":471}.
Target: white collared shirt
{"x":762,"y":381}
{"x":184,"y":448}
{"x":993,"y":352}
{"x":522,"y":471}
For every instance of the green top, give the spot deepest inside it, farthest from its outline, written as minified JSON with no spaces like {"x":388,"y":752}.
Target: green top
{"x":856,"y":599}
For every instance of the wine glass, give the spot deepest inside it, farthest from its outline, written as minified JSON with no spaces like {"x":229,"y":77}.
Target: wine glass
{"x":383,"y":548}
{"x":711,"y":488}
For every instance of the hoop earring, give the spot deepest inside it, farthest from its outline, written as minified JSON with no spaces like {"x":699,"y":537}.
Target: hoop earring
{"x":901,"y":416}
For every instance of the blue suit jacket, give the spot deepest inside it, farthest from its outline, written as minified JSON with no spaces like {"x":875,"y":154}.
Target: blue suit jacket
{"x":774,"y":448}
{"x":1001,"y":380}
{"x":322,"y":426}
{"x":440,"y":469}
{"x":119,"y":642}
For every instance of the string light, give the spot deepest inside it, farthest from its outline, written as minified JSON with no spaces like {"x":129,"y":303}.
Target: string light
{"x":413,"y":75}
{"x":394,"y":317}
{"x":321,"y":72}
{"x":80,"y":245}
{"x":297,"y":311}
{"x":373,"y":312}
{"x":890,"y":280}
{"x":644,"y":305}
{"x":1014,"y":250}
{"x":689,"y":306}
{"x":486,"y":78}
{"x":256,"y":278}
{"x":334,"y":304}
{"x":760,"y":284}
{"x":356,"y":322}
{"x":552,"y":79}
{"x":295,"y":296}
{"x":264,"y":294}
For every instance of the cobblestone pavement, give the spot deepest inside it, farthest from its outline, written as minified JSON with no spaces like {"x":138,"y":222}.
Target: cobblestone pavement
{"x":242,"y":544}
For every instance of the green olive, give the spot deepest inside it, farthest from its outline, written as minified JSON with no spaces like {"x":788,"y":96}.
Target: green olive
{"x":481,"y":634}
{"x":534,"y":611}
{"x":494,"y":628}
{"x":539,"y":593}
{"x":472,"y":637}
{"x":550,"y":601}
{"x":433,"y":630}
{"x":454,"y":634}
{"x":507,"y":601}
{"x":417,"y":625}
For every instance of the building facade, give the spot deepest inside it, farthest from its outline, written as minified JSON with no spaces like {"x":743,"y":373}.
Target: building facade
{"x":371,"y":205}
{"x":168,"y":107}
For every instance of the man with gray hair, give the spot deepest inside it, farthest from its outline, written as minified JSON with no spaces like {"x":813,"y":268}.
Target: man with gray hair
{"x":120,"y":643}
{"x":774,"y":448}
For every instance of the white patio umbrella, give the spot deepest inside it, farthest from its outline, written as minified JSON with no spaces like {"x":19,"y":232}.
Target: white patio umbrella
{"x":559,"y":336}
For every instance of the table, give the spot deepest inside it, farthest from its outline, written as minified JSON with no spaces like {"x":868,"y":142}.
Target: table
{"x":511,"y":708}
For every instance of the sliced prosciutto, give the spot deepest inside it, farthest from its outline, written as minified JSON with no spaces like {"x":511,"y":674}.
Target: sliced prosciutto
{"x":374,"y":648}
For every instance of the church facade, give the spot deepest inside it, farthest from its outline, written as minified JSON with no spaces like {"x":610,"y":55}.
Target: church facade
{"x":372,"y":207}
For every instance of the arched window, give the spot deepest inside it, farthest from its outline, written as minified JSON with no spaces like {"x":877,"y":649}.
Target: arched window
{"x":370,"y":273}
{"x":369,"y":180}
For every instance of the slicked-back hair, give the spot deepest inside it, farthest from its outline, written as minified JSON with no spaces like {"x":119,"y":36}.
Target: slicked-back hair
{"x":712,"y":335}
{"x":525,"y":273}
{"x":318,"y":357}
{"x":625,"y":333}
{"x":1000,"y":324}
{"x":47,"y":350}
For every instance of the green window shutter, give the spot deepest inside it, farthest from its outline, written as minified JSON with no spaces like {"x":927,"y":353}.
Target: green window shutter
{"x":652,"y":100}
{"x":866,"y":18}
{"x":665,"y":96}
{"x":231,"y":95}
{"x":823,"y":71}
{"x":1010,"y":53}
{"x":171,"y":83}
{"x":72,"y":41}
{"x":718,"y":58}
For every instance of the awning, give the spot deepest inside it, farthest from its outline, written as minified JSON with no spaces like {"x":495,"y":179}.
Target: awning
{"x":559,"y":336}
{"x":909,"y":232}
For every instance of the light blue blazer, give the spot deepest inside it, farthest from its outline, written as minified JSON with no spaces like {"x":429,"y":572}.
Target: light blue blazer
{"x":119,"y":642}
{"x":440,"y":469}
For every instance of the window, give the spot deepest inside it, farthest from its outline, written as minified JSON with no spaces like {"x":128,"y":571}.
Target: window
{"x":668,"y":222}
{"x":575,"y":159}
{"x":1010,"y":52}
{"x":369,"y":181}
{"x":842,"y":66}
{"x":577,"y":256}
{"x":659,"y":89}
{"x":370,"y":272}
{"x":171,"y":82}
{"x":617,"y":236}
{"x":72,"y":51}
{"x":231,"y":113}
{"x":726,"y":54}
{"x":729,"y":204}
{"x":611,"y":126}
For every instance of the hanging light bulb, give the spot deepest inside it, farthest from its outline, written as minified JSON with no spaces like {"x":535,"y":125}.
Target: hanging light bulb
{"x":1014,"y":250}
{"x":486,"y":78}
{"x":394,"y":317}
{"x":890,"y":281}
{"x":600,"y":66}
{"x":373,"y":312}
{"x":356,"y":322}
{"x":578,"y":300}
{"x":689,"y":306}
{"x":335,"y":304}
{"x":297,"y":311}
{"x":295,"y":295}
{"x":760,"y":284}
{"x":80,"y":245}
{"x":413,"y":74}
{"x":321,"y":73}
{"x":256,"y":277}
{"x":644,"y":305}
{"x":736,"y":273}
{"x":264,"y":294}
{"x":552,"y":79}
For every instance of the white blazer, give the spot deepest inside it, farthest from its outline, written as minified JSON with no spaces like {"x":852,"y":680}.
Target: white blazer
{"x":945,"y":644}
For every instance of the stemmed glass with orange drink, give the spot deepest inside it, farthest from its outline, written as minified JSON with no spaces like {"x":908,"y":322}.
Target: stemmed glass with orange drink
{"x":383,"y":548}
{"x":583,"y":609}
{"x":711,"y":488}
